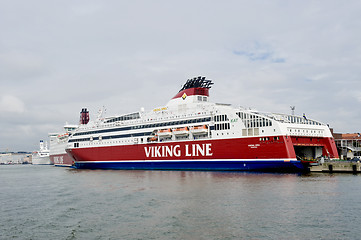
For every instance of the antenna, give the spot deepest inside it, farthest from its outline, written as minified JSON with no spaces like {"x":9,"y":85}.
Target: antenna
{"x":293,"y":110}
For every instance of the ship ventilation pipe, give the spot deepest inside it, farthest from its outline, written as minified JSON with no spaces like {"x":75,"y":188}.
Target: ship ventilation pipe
{"x":84,"y":116}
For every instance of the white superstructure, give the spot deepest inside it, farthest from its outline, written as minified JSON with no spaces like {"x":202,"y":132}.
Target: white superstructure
{"x":58,"y":142}
{"x":42,"y":156}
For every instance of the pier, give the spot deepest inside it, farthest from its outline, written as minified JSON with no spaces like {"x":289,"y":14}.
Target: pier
{"x":337,"y":167}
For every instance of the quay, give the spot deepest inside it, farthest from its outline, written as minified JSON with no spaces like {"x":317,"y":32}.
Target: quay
{"x":337,"y":167}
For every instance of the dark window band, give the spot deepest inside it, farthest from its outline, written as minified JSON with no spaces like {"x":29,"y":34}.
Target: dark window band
{"x":154,"y":125}
{"x":112,"y":137}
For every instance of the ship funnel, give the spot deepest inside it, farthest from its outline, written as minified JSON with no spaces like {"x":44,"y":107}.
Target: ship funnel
{"x":84,"y":116}
{"x":194,"y":90}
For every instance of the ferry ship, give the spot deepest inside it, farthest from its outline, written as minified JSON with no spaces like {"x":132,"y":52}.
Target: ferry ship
{"x":192,"y":133}
{"x":42,"y":156}
{"x":58,"y":143}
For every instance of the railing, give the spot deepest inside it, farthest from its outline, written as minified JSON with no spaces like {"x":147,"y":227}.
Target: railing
{"x":354,"y":149}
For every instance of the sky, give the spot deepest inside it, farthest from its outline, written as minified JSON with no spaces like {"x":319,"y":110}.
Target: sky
{"x":57,"y":57}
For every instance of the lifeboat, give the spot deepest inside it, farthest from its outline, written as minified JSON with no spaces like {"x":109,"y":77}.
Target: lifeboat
{"x":153,"y":138}
{"x":183,"y":131}
{"x":61,"y":136}
{"x":199,"y":130}
{"x":165,"y":132}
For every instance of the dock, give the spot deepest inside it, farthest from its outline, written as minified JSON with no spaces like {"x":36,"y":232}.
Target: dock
{"x":337,"y":167}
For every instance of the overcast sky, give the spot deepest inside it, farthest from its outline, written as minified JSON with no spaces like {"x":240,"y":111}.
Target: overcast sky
{"x":57,"y":57}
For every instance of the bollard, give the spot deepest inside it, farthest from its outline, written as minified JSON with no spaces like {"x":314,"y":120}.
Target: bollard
{"x":354,"y":168}
{"x":330,"y":168}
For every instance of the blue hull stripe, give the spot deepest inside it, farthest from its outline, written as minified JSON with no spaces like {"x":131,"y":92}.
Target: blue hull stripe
{"x":283,"y":166}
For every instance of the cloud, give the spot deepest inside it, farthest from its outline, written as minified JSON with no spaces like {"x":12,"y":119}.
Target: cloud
{"x":19,"y":66}
{"x":85,"y":9}
{"x":358,"y":96}
{"x":58,"y":58}
{"x":319,"y":77}
{"x":259,"y":52}
{"x":11,"y":104}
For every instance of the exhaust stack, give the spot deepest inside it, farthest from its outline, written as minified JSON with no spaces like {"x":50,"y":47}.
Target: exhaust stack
{"x":84,"y":116}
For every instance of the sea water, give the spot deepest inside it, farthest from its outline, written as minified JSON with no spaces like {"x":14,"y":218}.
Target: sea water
{"x":47,"y":202}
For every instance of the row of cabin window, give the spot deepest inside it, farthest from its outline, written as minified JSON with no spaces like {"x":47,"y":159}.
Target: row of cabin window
{"x":220,"y":118}
{"x":260,"y":122}
{"x":294,"y":119}
{"x":249,"y":116}
{"x":222,"y":126}
{"x":267,"y":139}
{"x":126,"y":117}
{"x":311,"y":131}
{"x":251,"y":120}
{"x":111,"y":137}
{"x":190,"y":121}
{"x":245,"y":115}
{"x":76,"y":141}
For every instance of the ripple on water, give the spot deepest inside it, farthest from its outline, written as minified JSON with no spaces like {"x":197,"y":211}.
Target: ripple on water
{"x":59,"y":203}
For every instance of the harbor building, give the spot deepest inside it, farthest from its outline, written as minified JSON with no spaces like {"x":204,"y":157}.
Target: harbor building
{"x":348,"y":145}
{"x":15,"y":158}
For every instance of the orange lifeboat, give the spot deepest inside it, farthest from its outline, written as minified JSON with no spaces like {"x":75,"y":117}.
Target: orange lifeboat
{"x":199,"y":130}
{"x":182,"y":131}
{"x":152,"y":139}
{"x":63,"y":135}
{"x":165,"y":132}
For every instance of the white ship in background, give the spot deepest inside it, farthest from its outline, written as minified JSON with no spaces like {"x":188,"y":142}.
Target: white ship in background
{"x":58,"y":142}
{"x":42,"y":156}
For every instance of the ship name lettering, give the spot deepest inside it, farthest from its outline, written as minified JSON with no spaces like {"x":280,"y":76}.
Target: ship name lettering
{"x":162,"y":151}
{"x":177,"y":151}
{"x":157,"y":152}
{"x":193,"y":150}
{"x":58,"y":160}
{"x":199,"y":150}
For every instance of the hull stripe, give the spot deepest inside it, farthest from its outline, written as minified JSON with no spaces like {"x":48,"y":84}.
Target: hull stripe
{"x":274,"y":166}
{"x":206,"y":160}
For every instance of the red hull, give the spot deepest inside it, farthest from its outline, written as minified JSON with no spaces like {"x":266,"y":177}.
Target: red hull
{"x":329,"y":147}
{"x":240,"y":148}
{"x":281,"y":147}
{"x":62,"y":160}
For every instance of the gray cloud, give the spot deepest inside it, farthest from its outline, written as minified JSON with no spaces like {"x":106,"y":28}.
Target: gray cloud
{"x":59,"y":56}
